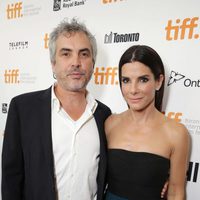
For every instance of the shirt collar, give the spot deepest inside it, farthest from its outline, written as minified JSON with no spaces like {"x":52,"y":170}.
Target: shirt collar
{"x":91,"y":102}
{"x":55,"y":103}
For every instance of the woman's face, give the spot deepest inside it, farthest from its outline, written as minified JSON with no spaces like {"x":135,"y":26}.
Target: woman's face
{"x":139,"y":85}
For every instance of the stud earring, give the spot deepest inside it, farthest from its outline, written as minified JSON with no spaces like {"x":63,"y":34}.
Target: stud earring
{"x":54,"y":75}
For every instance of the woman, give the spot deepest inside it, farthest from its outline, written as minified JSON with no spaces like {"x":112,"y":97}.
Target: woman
{"x":145,"y":148}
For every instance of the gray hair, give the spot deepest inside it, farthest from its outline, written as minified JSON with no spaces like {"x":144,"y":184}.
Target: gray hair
{"x":69,"y":27}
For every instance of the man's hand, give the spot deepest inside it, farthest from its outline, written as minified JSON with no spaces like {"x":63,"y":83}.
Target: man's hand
{"x":164,"y":190}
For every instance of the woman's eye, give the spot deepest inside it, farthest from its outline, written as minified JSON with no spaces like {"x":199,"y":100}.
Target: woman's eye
{"x":125,"y":80}
{"x":144,"y":79}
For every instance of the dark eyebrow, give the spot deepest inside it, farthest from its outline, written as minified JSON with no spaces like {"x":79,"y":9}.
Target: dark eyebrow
{"x":81,"y":50}
{"x":145,"y":75}
{"x":65,"y":49}
{"x":84,"y":49}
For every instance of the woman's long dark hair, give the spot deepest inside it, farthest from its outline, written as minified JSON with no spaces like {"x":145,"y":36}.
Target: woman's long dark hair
{"x":151,"y":59}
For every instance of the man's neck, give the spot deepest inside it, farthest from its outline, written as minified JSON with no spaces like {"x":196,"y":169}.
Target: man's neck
{"x":74,"y":103}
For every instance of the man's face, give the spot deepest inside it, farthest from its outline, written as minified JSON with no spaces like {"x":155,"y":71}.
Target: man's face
{"x":73,"y":64}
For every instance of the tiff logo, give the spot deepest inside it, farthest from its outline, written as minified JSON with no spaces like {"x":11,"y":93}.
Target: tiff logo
{"x":14,"y":10}
{"x":178,"y":31}
{"x":105,"y":76}
{"x":192,"y":172}
{"x":176,"y":116}
{"x":110,"y":1}
{"x":11,"y":76}
{"x":46,"y":41}
{"x":4,"y":108}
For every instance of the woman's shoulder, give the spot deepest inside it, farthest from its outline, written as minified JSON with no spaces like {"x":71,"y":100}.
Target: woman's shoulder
{"x":175,"y":126}
{"x":176,"y":130}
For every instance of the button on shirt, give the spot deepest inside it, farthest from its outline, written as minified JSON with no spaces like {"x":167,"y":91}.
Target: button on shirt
{"x":76,"y":149}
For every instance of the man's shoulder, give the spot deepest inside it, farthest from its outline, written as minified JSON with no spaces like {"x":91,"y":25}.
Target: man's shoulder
{"x":103,"y":107}
{"x":30,"y":96}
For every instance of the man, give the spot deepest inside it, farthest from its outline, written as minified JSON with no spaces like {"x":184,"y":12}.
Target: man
{"x":55,"y":146}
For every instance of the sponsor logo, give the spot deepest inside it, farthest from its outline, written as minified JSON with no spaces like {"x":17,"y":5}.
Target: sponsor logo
{"x":187,"y":82}
{"x":182,"y":29}
{"x":106,"y":75}
{"x":4,"y":108}
{"x":110,"y":1}
{"x":58,"y":5}
{"x":18,"y":45}
{"x":117,"y":38}
{"x":15,"y":76}
{"x":193,"y":171}
{"x":174,"y":77}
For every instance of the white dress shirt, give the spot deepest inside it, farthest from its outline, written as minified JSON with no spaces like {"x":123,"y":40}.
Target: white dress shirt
{"x":76,"y":149}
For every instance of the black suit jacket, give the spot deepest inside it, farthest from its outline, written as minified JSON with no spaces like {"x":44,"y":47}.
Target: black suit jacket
{"x":27,"y":155}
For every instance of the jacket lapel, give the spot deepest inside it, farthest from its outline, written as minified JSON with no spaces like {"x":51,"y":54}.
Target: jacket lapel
{"x":100,"y":118}
{"x":45,"y":100}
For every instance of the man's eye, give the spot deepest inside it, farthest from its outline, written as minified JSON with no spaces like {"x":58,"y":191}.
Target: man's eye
{"x":84,"y":54}
{"x":66,"y":54}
